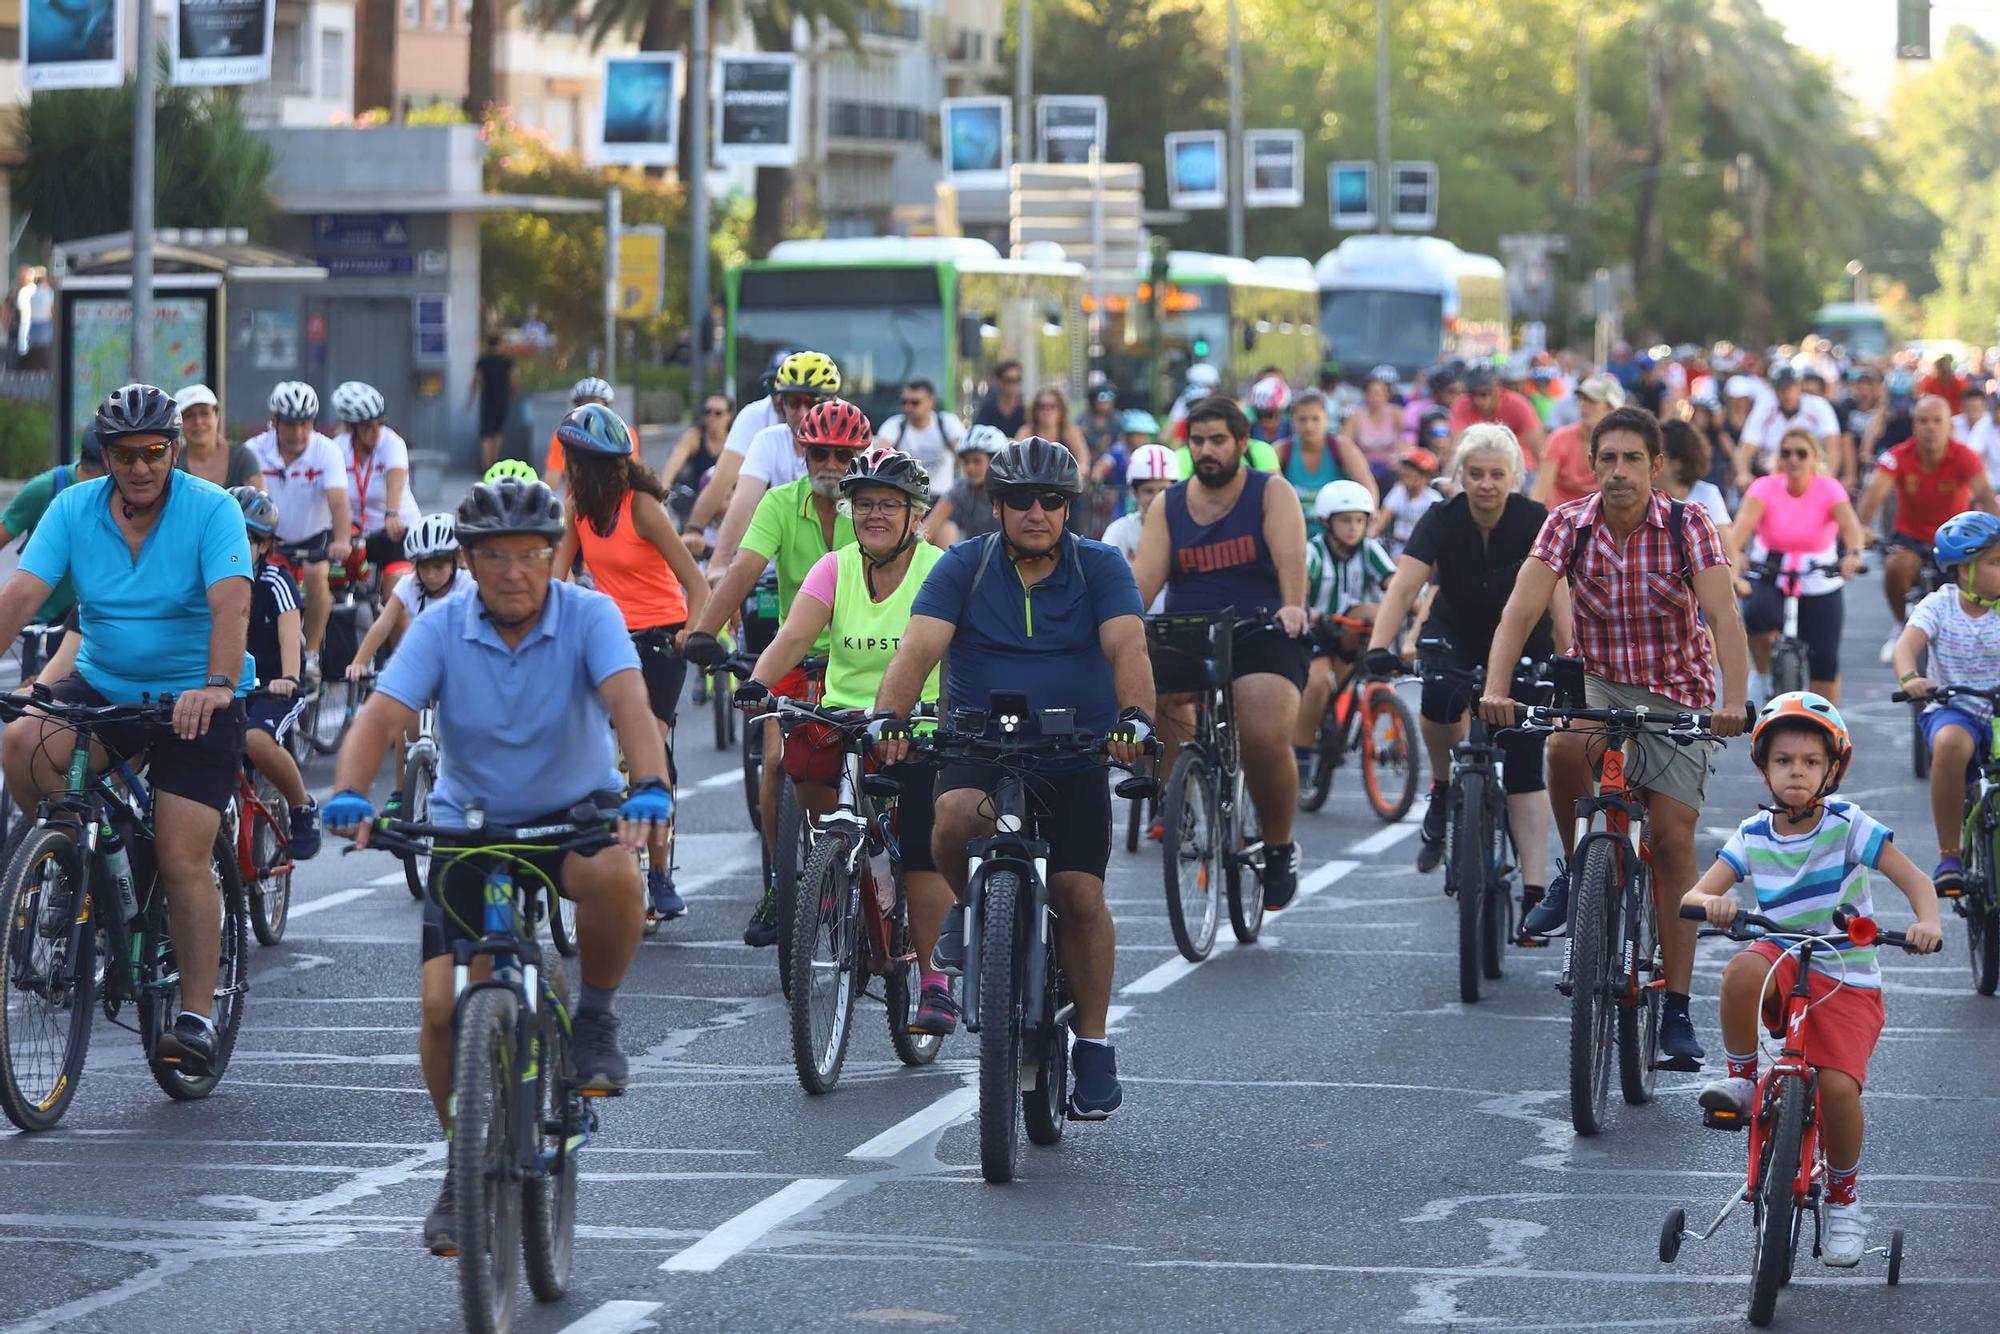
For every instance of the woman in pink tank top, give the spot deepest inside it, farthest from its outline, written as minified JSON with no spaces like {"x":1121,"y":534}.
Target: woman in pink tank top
{"x":1377,"y":429}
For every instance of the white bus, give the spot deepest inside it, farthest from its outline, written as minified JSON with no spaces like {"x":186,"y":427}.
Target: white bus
{"x":1410,"y":302}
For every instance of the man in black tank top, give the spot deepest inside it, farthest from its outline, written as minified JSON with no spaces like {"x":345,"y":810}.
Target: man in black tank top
{"x":1231,"y":537}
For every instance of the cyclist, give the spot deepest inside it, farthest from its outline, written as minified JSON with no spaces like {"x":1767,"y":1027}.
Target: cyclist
{"x":1264,"y":457}
{"x":859,"y":597}
{"x":274,"y":648}
{"x":1228,"y":538}
{"x":966,"y":510}
{"x":795,"y":524}
{"x":1346,"y":571}
{"x":1152,"y":469}
{"x":1412,"y":497}
{"x":1565,"y":473}
{"x":1641,"y":589}
{"x":768,"y":459}
{"x":1806,"y":856}
{"x":1036,"y":609}
{"x":531,"y":677}
{"x":431,"y":548}
{"x":1318,"y":456}
{"x":1786,"y":406}
{"x":1269,"y":400}
{"x":203,"y":450}
{"x":1377,"y":429}
{"x":1471,"y":547}
{"x":306,"y":476}
{"x":378,"y":476}
{"x":1957,"y":626}
{"x":618,"y":522}
{"x":1486,"y":400}
{"x":590,"y":389}
{"x":28,"y":506}
{"x":161,"y":567}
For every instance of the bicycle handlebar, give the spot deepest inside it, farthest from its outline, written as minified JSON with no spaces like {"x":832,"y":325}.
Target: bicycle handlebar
{"x":1682,"y":726}
{"x":1750,"y":926}
{"x":587,"y":830}
{"x":1939,"y":694}
{"x":41,"y":700}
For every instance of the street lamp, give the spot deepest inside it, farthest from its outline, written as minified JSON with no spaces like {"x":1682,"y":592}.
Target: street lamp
{"x":1858,"y":271}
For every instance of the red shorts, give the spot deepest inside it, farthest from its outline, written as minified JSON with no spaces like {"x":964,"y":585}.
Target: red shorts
{"x":1841,"y":1028}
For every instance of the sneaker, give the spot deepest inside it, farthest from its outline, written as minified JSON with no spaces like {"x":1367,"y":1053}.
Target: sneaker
{"x":762,"y":929}
{"x":1844,"y":1237}
{"x":937,"y":1013}
{"x":441,"y":1228}
{"x":309,"y":672}
{"x":1430,"y":847}
{"x":663,"y":900}
{"x":600,"y":1066}
{"x":1281,"y":876}
{"x":1677,"y":1040}
{"x":1095,"y":1094}
{"x":1550,"y":917}
{"x":305,"y":831}
{"x":1949,"y":877}
{"x":948,"y":955}
{"x":1888,"y":649}
{"x":1730,"y":1094}
{"x":189,"y":1046}
{"x":1305,"y":759}
{"x":1156,"y":832}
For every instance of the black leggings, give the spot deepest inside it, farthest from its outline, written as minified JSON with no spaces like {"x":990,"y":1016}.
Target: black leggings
{"x":1820,"y":620}
{"x":1446,"y":704}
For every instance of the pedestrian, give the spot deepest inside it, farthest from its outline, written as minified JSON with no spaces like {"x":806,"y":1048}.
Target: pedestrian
{"x":493,"y":388}
{"x":1004,"y":406}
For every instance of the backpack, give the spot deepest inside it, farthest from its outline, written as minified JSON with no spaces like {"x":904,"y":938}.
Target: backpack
{"x":1676,"y":533}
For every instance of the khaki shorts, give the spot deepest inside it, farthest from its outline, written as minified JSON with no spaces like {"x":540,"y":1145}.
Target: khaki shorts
{"x":1669,"y":768}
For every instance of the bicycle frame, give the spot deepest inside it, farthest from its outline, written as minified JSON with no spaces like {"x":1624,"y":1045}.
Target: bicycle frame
{"x":250,"y":811}
{"x":855,"y":812}
{"x":1624,"y":825}
{"x":1009,"y":847}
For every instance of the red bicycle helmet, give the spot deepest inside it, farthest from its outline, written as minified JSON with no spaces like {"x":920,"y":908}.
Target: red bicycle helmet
{"x":835,"y":422}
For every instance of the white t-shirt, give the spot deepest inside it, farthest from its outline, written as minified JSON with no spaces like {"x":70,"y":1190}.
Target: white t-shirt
{"x":1123,"y":533}
{"x":1964,"y":649}
{"x":935,"y":446}
{"x":410,"y":592}
{"x":1767,"y":423}
{"x":754,"y":418}
{"x":772,"y":459}
{"x":368,"y":485}
{"x":1707,"y":495}
{"x":300,"y":488}
{"x":1404,"y":511}
{"x":1984,"y":440}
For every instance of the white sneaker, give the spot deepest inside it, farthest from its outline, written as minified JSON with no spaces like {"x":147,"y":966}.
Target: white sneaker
{"x":1843,"y":1235}
{"x":1760,"y":686}
{"x":1889,"y":645}
{"x":1729,"y":1094}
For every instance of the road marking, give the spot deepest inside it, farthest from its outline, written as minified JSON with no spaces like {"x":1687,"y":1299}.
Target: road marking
{"x":324,"y":902}
{"x":723,"y":779}
{"x":393,"y":878}
{"x":742,"y":1232}
{"x":1384,"y":839}
{"x":949,"y":1110}
{"x":1331,"y":873}
{"x":613,"y":1318}
{"x":1159,"y":978}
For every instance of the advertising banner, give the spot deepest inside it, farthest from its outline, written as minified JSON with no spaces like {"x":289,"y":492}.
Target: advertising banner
{"x":976,"y":142}
{"x":1195,"y":166}
{"x":1274,"y":168}
{"x":640,"y":124}
{"x":222,"y":41}
{"x":757,"y":110}
{"x":1068,"y":127}
{"x":74,"y":43}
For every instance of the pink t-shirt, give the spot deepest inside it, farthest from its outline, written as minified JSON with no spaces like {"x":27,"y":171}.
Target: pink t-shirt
{"x":822,"y":580}
{"x":1513,"y":411}
{"x":1800,"y":525}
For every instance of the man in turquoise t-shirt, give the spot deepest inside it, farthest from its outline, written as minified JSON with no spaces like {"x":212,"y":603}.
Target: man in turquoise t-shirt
{"x":33,"y":500}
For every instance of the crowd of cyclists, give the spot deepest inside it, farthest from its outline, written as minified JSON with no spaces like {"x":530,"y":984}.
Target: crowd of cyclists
{"x":1668,"y":523}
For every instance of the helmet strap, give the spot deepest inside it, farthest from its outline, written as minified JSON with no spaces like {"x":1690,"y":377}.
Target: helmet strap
{"x":1965,"y":589}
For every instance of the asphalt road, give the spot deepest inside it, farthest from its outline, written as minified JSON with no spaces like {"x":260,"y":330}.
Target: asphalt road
{"x":1316,"y":1134}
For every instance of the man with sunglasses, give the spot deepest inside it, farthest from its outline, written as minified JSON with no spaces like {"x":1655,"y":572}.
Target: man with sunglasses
{"x":161,"y":566}
{"x":805,"y":379}
{"x":306,"y":476}
{"x":930,"y":437}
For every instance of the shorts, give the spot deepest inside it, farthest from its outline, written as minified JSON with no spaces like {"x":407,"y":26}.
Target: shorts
{"x":1841,"y":1027}
{"x":455,"y":909}
{"x":1521,"y":753}
{"x":308,"y":551}
{"x":816,"y":753}
{"x":385,"y":553}
{"x":1820,"y":618}
{"x":1073,"y":810}
{"x":492,"y":418}
{"x":275,"y":716}
{"x":1940,"y":716}
{"x":205,"y":770}
{"x":1668,"y":768}
{"x":1904,"y":542}
{"x":663,"y":669}
{"x":1269,"y":653}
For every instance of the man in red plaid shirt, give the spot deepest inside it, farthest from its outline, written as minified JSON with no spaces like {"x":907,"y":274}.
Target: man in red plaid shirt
{"x":1638,"y":627}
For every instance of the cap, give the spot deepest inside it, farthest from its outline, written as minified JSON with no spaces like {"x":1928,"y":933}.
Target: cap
{"x":1602,"y":388}
{"x":1740,"y":386}
{"x":195,"y":394}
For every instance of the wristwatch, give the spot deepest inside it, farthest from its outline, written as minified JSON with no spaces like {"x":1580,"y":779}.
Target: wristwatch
{"x":220,"y":680}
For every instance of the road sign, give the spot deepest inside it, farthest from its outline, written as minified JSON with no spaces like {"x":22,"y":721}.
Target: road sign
{"x":1048,"y":202}
{"x":1350,"y":196}
{"x":1413,"y":196}
{"x":642,"y":271}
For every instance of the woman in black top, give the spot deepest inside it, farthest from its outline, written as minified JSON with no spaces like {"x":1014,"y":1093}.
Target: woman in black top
{"x":1471,"y":547}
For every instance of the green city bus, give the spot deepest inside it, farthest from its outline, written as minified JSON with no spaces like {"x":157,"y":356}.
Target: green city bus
{"x":1226,"y":312}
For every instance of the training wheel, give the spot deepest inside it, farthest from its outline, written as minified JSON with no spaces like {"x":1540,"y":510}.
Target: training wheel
{"x":1670,"y":1234}
{"x":1895,"y":1257}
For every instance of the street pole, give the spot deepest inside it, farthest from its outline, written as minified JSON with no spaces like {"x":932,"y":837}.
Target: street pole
{"x":1582,"y":112}
{"x":697,"y":179}
{"x":1233,"y":159}
{"x":1024,"y":79}
{"x":142,"y":201}
{"x":1382,"y":193}
{"x":614,"y":223}
{"x":1096,"y":253}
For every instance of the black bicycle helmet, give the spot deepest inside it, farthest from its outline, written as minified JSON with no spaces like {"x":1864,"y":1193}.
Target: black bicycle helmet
{"x":89,"y":449}
{"x":138,"y":409}
{"x":594,"y":429}
{"x":510,"y":505}
{"x":260,"y":512}
{"x":883,"y":466}
{"x":1034,"y":464}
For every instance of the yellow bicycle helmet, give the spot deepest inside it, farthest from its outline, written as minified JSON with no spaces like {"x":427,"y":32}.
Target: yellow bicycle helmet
{"x":511,"y":468}
{"x":807,"y":373}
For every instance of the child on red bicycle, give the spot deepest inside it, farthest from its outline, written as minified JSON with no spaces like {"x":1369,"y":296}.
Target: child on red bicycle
{"x":1806,"y":856}
{"x":275,"y":644}
{"x":1346,"y":571}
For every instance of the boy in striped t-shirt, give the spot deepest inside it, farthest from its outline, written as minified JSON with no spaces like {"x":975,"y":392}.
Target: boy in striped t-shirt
{"x":1805,"y":856}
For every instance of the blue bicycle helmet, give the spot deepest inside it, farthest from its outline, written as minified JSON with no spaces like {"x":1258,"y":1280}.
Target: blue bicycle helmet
{"x":1964,"y":536}
{"x":260,"y":512}
{"x":1900,"y":383}
{"x":594,"y":429}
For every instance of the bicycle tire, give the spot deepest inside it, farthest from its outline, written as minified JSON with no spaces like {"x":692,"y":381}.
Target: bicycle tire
{"x":1788,"y":667}
{"x":1000,"y":1004}
{"x":753,"y":770}
{"x":1188,"y":855}
{"x":1246,"y":891}
{"x":159,"y":1004}
{"x":1045,"y":1107}
{"x":36,"y":1090}
{"x":548,"y":1197}
{"x":562,"y":925}
{"x":720,"y":707}
{"x":270,"y":889}
{"x":298,"y":740}
{"x":1981,"y":906}
{"x":902,"y":987}
{"x":1468,"y":874}
{"x":1590,"y":1030}
{"x":822,"y":991}
{"x":1497,"y":920}
{"x":1777,"y":1208}
{"x":1920,"y":751}
{"x":1639,"y":1025}
{"x":419,"y":779}
{"x":483,"y":1155}
{"x":791,"y":849}
{"x":1319,"y":781}
{"x":1388,"y":757}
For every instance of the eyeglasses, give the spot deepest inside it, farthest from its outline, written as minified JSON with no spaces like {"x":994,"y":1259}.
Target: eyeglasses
{"x":1051,"y":502}
{"x":913,"y":402}
{"x":495,"y":559}
{"x":1795,"y":453}
{"x":828,"y":454}
{"x":882,"y":506}
{"x":131,"y":455}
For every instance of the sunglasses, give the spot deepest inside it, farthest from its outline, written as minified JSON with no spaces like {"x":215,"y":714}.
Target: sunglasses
{"x":1051,"y":502}
{"x":913,"y":402}
{"x":1795,"y":453}
{"x":828,"y":454}
{"x":797,"y":402}
{"x":130,"y":455}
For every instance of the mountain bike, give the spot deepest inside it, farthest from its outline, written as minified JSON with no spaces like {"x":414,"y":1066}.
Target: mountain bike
{"x":1787,"y":1162}
{"x":1978,"y":900}
{"x":1790,"y":661}
{"x":86,"y":928}
{"x":258,"y":824}
{"x":519,"y":1120}
{"x":786,"y":852}
{"x":1016,"y":998}
{"x":1365,"y":718}
{"x":1611,"y":958}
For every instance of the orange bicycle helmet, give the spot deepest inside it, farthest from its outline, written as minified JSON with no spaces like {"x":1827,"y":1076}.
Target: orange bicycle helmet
{"x":1804,"y":706}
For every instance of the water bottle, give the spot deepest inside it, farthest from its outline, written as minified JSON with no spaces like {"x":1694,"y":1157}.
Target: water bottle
{"x":119,"y":864}
{"x":885,"y":884}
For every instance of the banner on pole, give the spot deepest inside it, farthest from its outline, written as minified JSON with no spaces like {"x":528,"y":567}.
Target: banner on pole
{"x":977,"y":148}
{"x":642,"y":271}
{"x":640,"y":123}
{"x":1068,"y":127}
{"x":1350,"y":195}
{"x":1274,"y":168}
{"x":222,"y":41}
{"x":1195,"y":169}
{"x":757,"y":110}
{"x":74,"y":43}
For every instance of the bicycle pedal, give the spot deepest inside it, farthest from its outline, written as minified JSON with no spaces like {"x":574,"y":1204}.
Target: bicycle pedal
{"x":1724,"y":1120}
{"x":1566,"y":988}
{"x":600,"y":1093}
{"x":1681,"y":1064}
{"x":1537,"y":943}
{"x":1951,"y":891}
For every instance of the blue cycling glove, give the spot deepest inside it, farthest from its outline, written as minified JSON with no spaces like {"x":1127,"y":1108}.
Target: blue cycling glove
{"x":648,"y":802}
{"x":345,"y":810}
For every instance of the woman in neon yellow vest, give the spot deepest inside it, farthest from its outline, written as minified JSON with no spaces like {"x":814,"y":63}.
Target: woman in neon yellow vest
{"x":863,"y":592}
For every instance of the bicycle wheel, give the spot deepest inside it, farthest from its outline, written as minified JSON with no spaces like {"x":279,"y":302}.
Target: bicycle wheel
{"x":1135,"y":819}
{"x":483,"y":1157}
{"x":901,"y":989}
{"x":1981,"y":907}
{"x":1920,"y":751}
{"x":1187,"y":855}
{"x":1000,"y":1027}
{"x":50,"y":984}
{"x":299,"y":740}
{"x":1590,"y":1000}
{"x":1388,"y":753}
{"x":548,"y":1195}
{"x":1319,"y":782}
{"x":1467,"y":873}
{"x":271,"y":860}
{"x":753,"y":770}
{"x":1639,"y":1025}
{"x":722,"y":711}
{"x":1245,"y":872}
{"x":1497,"y":919}
{"x":418,"y":781}
{"x":1045,"y":1107}
{"x":1777,"y":1208}
{"x":822,"y":959}
{"x":791,"y":849}
{"x":562,"y":926}
{"x":160,"y":994}
{"x":1788,"y":667}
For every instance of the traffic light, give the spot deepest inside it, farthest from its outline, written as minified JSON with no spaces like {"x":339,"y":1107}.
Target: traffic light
{"x":1913,"y":29}
{"x":1200,"y":346}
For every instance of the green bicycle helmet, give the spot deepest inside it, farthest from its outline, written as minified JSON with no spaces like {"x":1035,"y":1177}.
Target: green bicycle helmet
{"x":511,"y":468}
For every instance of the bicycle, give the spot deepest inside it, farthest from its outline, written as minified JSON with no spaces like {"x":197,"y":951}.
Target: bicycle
{"x":86,"y":927}
{"x":1787,"y":1162}
{"x":1016,"y":998}
{"x":1929,"y":580}
{"x":1790,"y":661}
{"x":1611,"y":957}
{"x":37,"y":643}
{"x":518,"y":1116}
{"x":787,"y":851}
{"x":1365,"y":717}
{"x":1978,"y":900}
{"x":1209,"y":822}
{"x":258,"y":823}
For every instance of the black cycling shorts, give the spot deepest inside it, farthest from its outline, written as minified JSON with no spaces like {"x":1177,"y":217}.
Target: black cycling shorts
{"x":204,"y":770}
{"x":1269,"y":653}
{"x":1820,"y":619}
{"x":275,"y":716}
{"x":1522,"y":753}
{"x":460,"y":885}
{"x":384,"y":550}
{"x":310,"y":551}
{"x":663,"y":668}
{"x":1073,"y":811}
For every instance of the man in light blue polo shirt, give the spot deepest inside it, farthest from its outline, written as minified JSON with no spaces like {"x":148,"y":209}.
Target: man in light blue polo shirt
{"x":530,"y":678}
{"x":161,"y":567}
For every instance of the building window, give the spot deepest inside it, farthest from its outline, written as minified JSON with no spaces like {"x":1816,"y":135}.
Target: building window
{"x":288,"y":60}
{"x":440,"y":13}
{"x":465,"y":12}
{"x":896,"y":21}
{"x":333,"y":79}
{"x":874,"y":120}
{"x":413,"y":13}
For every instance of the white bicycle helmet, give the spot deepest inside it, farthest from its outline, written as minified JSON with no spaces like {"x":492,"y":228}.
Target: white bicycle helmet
{"x":590,"y":389}
{"x":1153,"y":463}
{"x":434,"y":535}
{"x":294,"y":401}
{"x":983,"y":440}
{"x":1201,"y":375}
{"x":355,"y":402}
{"x":1342,"y":497}
{"x":1270,"y":394}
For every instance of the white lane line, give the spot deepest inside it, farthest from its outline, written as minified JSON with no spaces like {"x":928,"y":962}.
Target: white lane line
{"x":1331,"y":873}
{"x":326,"y":901}
{"x":723,"y":779}
{"x":613,"y":1318}
{"x":393,"y":878}
{"x":949,"y":1110}
{"x":1384,"y":839}
{"x":1159,"y":977}
{"x":742,"y":1232}
{"x":1113,"y":1015}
